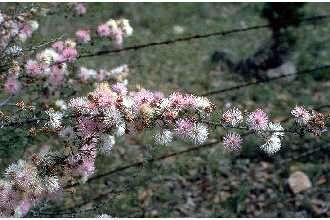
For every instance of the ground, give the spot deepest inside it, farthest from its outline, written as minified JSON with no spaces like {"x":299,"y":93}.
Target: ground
{"x":208,"y":182}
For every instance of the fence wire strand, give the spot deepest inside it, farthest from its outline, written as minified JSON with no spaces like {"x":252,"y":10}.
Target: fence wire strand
{"x":196,"y":36}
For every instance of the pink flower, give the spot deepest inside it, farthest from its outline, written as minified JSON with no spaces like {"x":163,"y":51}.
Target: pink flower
{"x":25,"y":32}
{"x":24,"y":180}
{"x":232,"y":141}
{"x":232,"y":117}
{"x":12,"y":86}
{"x":24,"y":207}
{"x":8,"y":199}
{"x":27,"y":29}
{"x":158,"y":95}
{"x":89,"y":150}
{"x":57,"y":75}
{"x":83,"y":36}
{"x":119,"y":88}
{"x":103,"y":30}
{"x":302,"y":116}
{"x":87,"y":167}
{"x":189,"y":101}
{"x":103,"y":96}
{"x":34,"y":68}
{"x":117,"y":37}
{"x":80,"y":8}
{"x":69,"y":54}
{"x":81,"y":165}
{"x":87,"y":127}
{"x":176,"y":100}
{"x":58,"y":46}
{"x":142,"y":97}
{"x":257,"y":120}
{"x":184,"y":128}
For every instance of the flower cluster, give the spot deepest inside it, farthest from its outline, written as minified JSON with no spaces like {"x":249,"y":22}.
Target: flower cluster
{"x":51,"y":63}
{"x":18,"y":27}
{"x":106,"y":113}
{"x":311,"y":120}
{"x":256,"y":121}
{"x":91,"y":124}
{"x":14,"y":30}
{"x":117,"y":74}
{"x":80,"y":8}
{"x":113,"y":110}
{"x":83,"y":35}
{"x":116,"y":30}
{"x":27,"y":183}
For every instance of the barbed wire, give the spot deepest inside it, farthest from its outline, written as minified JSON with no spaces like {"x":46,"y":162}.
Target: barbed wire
{"x":196,"y":36}
{"x":210,"y":144}
{"x":281,"y":76}
{"x":282,"y":162}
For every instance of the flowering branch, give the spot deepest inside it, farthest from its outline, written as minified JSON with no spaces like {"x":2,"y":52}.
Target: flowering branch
{"x":90,"y":124}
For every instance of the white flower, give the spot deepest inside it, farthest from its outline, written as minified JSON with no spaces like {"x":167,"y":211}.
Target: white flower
{"x":126,"y":27}
{"x":15,"y":168}
{"x":61,"y":104}
{"x":232,"y":117}
{"x":272,"y":145}
{"x":202,"y":102}
{"x":128,"y":102}
{"x":121,"y":128}
{"x":165,"y":104}
{"x":23,"y":37}
{"x":112,"y":24}
{"x":14,"y":50}
{"x":48,"y":56}
{"x":52,"y":183}
{"x":177,"y":29}
{"x":199,"y":133}
{"x":112,"y":117}
{"x":85,"y":74}
{"x":55,"y":118}
{"x":163,"y":137}
{"x":125,"y":82}
{"x":79,"y":104}
{"x":119,"y":70}
{"x":1,"y":18}
{"x":107,"y":143}
{"x":104,"y":216}
{"x":232,"y":141}
{"x":276,"y":129}
{"x":34,"y":25}
{"x":70,"y":43}
{"x":302,"y":116}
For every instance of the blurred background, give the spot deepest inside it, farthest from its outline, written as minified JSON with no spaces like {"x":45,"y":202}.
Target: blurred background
{"x":208,"y":182}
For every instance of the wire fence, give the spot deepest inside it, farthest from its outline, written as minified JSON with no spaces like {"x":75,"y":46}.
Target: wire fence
{"x":197,"y":36}
{"x":209,"y":93}
{"x":212,"y":143}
